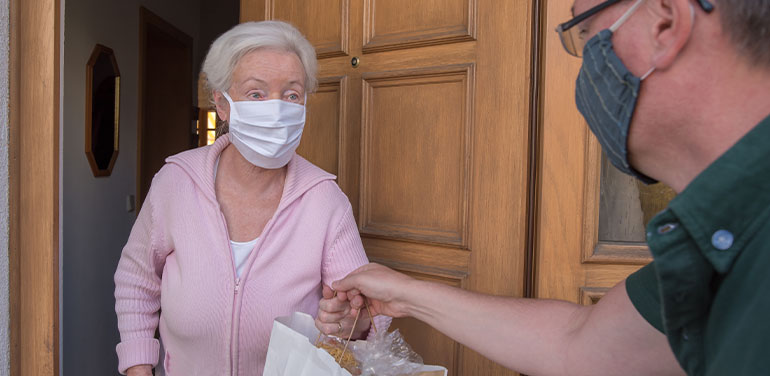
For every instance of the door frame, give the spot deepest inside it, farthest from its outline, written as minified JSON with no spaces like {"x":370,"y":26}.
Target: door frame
{"x":147,"y":17}
{"x":34,"y":113}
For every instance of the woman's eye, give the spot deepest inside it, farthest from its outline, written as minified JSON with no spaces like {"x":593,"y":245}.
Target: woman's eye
{"x":256,"y":95}
{"x":294,"y":97}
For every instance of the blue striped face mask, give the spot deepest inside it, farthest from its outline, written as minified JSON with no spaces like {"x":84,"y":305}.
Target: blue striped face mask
{"x":606,"y":94}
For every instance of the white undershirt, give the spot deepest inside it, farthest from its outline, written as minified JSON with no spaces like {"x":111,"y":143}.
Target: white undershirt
{"x":241,"y":251}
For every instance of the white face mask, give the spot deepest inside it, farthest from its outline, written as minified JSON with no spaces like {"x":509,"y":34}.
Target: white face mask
{"x":266,"y":133}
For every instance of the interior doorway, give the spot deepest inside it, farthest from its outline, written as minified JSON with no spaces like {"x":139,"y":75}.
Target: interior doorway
{"x":165,"y":96}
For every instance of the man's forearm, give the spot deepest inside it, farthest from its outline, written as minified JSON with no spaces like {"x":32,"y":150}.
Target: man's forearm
{"x":521,"y":334}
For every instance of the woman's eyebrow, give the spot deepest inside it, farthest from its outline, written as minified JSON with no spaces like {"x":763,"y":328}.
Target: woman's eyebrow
{"x":296,"y":83}
{"x":255,"y":79}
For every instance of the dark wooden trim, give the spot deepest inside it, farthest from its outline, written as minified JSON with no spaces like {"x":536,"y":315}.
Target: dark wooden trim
{"x":147,"y":17}
{"x":535,"y":146}
{"x":34,"y":186}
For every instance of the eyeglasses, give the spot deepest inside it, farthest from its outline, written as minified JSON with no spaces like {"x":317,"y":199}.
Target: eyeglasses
{"x":572,"y":38}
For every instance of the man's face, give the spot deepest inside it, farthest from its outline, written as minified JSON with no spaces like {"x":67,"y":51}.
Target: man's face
{"x":631,"y":43}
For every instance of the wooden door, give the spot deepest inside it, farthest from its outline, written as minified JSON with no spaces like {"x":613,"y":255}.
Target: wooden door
{"x":590,"y":229}
{"x":166,"y":97}
{"x":428,"y":135}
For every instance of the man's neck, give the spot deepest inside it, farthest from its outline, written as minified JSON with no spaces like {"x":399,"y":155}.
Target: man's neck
{"x":731,"y":105}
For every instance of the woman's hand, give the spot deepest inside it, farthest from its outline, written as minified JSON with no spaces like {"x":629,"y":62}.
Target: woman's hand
{"x":336,"y":316}
{"x":141,"y":370}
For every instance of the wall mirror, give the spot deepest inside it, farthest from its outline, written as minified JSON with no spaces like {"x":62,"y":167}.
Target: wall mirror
{"x":102,"y":110}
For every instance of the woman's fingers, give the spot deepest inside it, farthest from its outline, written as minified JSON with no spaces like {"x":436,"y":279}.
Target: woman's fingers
{"x":335,"y":329}
{"x":334,"y":304}
{"x":326,"y":316}
{"x":327,"y":292}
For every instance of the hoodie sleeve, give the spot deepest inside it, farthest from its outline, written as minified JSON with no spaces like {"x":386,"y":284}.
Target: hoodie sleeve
{"x":345,"y":255}
{"x":137,"y":291}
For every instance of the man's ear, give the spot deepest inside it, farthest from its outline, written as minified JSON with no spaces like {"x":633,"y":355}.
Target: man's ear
{"x":671,"y":29}
{"x":223,"y":106}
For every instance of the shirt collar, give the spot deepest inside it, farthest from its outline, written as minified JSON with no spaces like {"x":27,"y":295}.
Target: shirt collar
{"x":720,"y":209}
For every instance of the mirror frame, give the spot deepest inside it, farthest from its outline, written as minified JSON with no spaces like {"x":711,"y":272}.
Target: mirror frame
{"x":100,"y":50}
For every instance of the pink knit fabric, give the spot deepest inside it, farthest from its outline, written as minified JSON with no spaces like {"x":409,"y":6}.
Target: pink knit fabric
{"x":178,"y":261}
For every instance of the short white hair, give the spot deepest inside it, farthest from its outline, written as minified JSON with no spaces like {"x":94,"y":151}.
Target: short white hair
{"x":231,"y":46}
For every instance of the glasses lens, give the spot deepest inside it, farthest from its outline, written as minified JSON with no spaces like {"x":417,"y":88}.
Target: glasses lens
{"x":572,"y":41}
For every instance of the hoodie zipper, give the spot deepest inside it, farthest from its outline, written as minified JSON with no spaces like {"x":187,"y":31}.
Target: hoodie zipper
{"x":238,"y":300}
{"x":235,"y":329}
{"x":236,"y":306}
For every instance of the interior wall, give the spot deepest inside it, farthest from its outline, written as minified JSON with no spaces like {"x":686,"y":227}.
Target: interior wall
{"x":95,"y":220}
{"x":5,"y":367}
{"x":216,"y":18}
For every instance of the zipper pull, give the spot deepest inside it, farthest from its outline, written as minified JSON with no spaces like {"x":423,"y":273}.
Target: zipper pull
{"x":237,"y":285}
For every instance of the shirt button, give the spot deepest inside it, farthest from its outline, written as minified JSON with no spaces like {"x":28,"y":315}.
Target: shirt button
{"x":722,"y":240}
{"x":668,"y":227}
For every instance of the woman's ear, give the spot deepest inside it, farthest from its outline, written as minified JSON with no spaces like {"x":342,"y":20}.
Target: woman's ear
{"x":671,"y":29}
{"x":223,"y":106}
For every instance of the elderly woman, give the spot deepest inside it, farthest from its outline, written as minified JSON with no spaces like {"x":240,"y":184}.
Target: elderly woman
{"x":235,"y":234}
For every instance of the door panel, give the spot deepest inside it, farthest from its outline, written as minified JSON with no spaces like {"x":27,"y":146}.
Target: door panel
{"x":323,"y":124}
{"x":416,"y":181}
{"x":437,"y":174}
{"x":327,"y":19}
{"x":395,"y":24}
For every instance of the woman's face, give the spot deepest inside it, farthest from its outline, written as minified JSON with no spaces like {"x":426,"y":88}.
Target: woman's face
{"x":263,"y":75}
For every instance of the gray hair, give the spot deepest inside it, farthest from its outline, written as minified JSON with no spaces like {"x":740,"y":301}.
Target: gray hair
{"x":747,"y":23}
{"x":231,"y":46}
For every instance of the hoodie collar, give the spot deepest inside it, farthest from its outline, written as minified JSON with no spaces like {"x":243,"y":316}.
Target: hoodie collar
{"x":199,"y":164}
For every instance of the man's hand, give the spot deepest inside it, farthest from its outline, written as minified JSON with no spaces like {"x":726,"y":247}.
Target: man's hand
{"x":141,"y":370}
{"x":384,"y":288}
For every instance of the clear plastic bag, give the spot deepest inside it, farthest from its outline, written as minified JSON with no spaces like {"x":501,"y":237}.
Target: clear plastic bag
{"x":387,"y":354}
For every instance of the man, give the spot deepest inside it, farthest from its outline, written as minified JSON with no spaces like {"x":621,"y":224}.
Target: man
{"x":676,"y":91}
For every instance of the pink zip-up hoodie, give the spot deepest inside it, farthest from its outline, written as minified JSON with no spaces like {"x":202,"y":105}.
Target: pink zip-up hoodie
{"x":177,"y":271}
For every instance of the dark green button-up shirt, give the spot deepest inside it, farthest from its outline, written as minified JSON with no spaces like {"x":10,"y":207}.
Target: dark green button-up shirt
{"x":708,"y":288}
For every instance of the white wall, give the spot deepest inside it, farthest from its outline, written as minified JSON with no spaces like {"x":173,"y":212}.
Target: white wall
{"x":4,"y":311}
{"x":95,"y":222}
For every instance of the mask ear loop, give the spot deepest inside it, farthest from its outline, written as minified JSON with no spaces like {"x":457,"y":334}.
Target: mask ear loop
{"x":649,"y":72}
{"x":230,"y":102}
